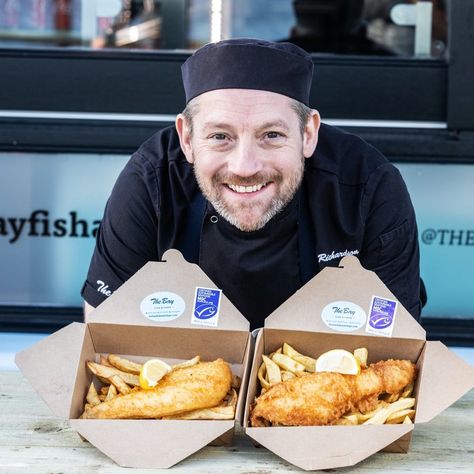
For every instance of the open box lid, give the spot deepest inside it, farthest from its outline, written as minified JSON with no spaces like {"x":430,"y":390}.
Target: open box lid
{"x":327,"y":447}
{"x":444,"y":378}
{"x":156,"y":443}
{"x":52,"y":364}
{"x":347,"y":299}
{"x":171,"y":293}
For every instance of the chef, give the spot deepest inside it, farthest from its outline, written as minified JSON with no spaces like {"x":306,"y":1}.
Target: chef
{"x":251,"y":186}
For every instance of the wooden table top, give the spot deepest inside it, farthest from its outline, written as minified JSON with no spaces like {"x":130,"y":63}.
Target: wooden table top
{"x":32,"y":440}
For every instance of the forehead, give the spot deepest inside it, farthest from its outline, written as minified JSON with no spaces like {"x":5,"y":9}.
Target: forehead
{"x":244,"y":105}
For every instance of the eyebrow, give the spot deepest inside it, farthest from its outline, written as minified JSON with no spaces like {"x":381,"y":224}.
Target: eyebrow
{"x":274,"y":124}
{"x":217,"y":125}
{"x":265,"y":126}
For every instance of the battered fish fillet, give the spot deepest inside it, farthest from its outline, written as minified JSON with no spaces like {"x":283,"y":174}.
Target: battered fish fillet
{"x":323,"y":397}
{"x":201,"y":386}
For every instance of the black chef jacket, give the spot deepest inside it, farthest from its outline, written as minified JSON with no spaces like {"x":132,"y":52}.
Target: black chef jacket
{"x":352,"y":202}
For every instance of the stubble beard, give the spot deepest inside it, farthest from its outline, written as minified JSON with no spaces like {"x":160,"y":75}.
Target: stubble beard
{"x":256,"y":214}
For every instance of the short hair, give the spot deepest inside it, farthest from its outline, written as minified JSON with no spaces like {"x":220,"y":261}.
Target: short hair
{"x":302,"y":111}
{"x":189,"y":112}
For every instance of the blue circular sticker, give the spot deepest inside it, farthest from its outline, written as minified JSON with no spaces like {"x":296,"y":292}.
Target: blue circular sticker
{"x":205,"y":311}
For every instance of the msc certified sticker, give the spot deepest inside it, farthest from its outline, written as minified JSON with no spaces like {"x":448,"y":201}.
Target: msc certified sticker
{"x":206,"y":306}
{"x":343,"y":316}
{"x":162,"y":306}
{"x":382,"y":316}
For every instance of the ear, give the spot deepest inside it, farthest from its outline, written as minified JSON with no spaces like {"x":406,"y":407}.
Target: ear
{"x":184,"y":133}
{"x":310,"y":134}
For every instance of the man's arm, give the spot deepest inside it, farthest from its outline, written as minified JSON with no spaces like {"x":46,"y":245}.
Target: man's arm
{"x":390,"y":246}
{"x":127,"y":236}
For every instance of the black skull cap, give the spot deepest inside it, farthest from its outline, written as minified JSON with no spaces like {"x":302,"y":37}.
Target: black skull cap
{"x":245,"y":63}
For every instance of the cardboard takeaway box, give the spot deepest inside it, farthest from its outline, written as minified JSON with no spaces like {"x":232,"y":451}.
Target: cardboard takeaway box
{"x":56,"y":366}
{"x":347,"y":307}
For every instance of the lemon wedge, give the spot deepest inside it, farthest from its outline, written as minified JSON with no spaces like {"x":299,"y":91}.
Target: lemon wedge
{"x":361,"y":355}
{"x":338,"y":360}
{"x":152,"y":372}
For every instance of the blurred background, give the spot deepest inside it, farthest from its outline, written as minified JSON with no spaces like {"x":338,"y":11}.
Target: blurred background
{"x":84,"y":82}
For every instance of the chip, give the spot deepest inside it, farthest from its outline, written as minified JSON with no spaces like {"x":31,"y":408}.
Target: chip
{"x":273,"y":371}
{"x":287,"y":363}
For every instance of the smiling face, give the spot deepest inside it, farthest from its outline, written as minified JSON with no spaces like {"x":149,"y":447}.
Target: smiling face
{"x":248,"y":152}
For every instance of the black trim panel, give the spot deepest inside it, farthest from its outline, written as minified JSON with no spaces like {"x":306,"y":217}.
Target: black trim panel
{"x":74,"y":136}
{"x":37,"y":319}
{"x":82,"y":80}
{"x":460,"y":98}
{"x":81,"y":136}
{"x":450,"y":331}
{"x":421,"y":145}
{"x":380,"y":89}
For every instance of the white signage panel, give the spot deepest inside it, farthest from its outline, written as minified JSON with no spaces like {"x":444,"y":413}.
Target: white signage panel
{"x":50,"y":209}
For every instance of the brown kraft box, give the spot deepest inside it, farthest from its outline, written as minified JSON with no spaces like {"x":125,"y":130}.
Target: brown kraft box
{"x":153,"y":314}
{"x":347,"y":307}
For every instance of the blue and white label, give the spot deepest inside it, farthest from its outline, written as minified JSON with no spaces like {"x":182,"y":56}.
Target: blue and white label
{"x":162,"y":306}
{"x":206,"y":306}
{"x":343,"y":316}
{"x":381,"y":316}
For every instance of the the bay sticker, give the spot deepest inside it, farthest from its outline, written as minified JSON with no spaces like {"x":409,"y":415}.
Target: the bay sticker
{"x":162,"y":306}
{"x":207,"y":303}
{"x":343,"y":316}
{"x":381,"y":316}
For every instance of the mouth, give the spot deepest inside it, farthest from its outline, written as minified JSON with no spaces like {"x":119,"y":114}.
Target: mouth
{"x":247,"y":189}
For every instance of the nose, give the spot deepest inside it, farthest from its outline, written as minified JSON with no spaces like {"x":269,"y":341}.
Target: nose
{"x":245,"y":160}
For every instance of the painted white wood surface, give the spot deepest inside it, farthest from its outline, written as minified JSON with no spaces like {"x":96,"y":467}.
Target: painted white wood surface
{"x":32,"y":440}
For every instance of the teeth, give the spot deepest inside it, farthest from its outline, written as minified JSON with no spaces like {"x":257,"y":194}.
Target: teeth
{"x":246,"y":189}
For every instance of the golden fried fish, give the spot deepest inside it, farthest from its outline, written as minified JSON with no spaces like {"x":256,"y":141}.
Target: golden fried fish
{"x":203,"y":385}
{"x":323,"y":397}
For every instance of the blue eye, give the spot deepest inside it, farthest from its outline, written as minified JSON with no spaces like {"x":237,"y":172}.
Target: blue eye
{"x":218,"y":136}
{"x":273,"y":135}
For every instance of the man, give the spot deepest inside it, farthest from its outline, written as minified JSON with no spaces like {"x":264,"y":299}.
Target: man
{"x":252,"y":187}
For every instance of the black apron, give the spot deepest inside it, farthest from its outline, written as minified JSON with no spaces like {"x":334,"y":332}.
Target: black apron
{"x":200,"y":244}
